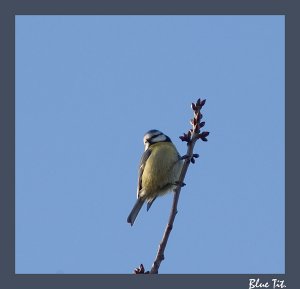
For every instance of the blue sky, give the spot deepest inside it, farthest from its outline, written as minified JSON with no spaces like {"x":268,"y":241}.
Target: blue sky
{"x":89,"y":87}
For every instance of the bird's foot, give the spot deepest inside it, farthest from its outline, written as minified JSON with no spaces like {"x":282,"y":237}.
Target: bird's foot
{"x":191,"y":158}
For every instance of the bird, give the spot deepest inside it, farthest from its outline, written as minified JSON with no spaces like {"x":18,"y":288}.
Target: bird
{"x":159,"y":170}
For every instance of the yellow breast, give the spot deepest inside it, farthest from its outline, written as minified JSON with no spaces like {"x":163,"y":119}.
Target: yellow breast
{"x":161,"y":171}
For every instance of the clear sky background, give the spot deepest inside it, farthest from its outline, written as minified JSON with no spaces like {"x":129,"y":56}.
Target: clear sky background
{"x":89,"y":87}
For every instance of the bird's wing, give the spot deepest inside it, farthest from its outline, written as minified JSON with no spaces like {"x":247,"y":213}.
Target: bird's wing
{"x":144,"y":158}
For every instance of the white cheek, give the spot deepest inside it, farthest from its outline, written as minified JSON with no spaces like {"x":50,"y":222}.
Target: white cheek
{"x":146,"y":146}
{"x":159,"y":138}
{"x":146,"y":137}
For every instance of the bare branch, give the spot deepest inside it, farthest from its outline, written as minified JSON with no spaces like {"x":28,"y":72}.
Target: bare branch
{"x":140,"y":270}
{"x":191,"y":138}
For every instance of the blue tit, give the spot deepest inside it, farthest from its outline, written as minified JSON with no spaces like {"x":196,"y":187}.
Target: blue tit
{"x":159,"y":171}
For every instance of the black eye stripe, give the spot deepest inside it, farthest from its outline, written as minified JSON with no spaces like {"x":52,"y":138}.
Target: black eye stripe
{"x":155,"y":135}
{"x":152,"y":134}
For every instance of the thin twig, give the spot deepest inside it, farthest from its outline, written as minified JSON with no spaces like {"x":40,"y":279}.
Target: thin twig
{"x":191,"y":138}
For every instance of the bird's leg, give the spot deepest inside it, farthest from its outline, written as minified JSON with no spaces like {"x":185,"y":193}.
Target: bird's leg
{"x":191,"y":158}
{"x":185,"y":157}
{"x":182,"y":184}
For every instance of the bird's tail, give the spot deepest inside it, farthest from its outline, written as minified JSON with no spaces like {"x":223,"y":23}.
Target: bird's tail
{"x":134,"y":212}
